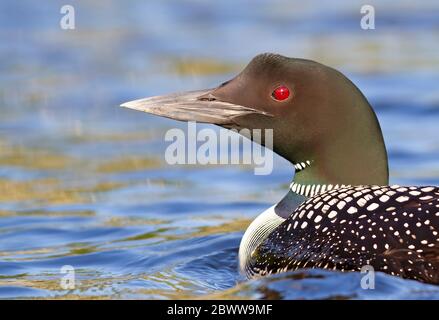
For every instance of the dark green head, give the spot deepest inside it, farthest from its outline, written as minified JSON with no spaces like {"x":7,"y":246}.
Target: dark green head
{"x":316,"y":114}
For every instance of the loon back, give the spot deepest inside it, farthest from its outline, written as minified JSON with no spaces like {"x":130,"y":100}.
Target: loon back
{"x":393,"y":229}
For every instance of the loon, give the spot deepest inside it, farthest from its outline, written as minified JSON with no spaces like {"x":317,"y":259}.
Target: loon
{"x":340,"y":212}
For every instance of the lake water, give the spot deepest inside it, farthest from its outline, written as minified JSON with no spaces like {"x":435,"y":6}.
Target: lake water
{"x":84,"y":183}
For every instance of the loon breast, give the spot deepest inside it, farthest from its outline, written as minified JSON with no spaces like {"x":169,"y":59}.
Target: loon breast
{"x":393,"y":229}
{"x":258,"y":230}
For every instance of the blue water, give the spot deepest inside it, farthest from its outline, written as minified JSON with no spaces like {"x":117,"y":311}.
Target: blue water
{"x":84,"y":183}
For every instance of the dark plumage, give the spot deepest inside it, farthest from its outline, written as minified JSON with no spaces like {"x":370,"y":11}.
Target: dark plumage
{"x":393,"y":229}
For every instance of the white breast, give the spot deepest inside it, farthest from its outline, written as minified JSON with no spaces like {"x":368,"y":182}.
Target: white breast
{"x":258,"y":230}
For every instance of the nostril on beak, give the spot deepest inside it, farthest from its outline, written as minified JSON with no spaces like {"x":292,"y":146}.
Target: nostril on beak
{"x":207,"y":97}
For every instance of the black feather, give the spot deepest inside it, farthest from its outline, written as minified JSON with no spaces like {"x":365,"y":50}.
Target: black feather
{"x":393,"y":229}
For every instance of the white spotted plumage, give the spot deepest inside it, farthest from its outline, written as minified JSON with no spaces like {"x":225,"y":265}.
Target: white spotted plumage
{"x":344,"y":227}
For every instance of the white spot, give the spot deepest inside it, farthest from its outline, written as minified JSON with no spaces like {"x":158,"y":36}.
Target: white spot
{"x":317,"y":219}
{"x":341,"y":205}
{"x":352,"y":210}
{"x":372,"y":206}
{"x":332,"y":214}
{"x":427,"y":189}
{"x":368,"y":197}
{"x":304,"y":224}
{"x":384,"y":198}
{"x":402,"y":199}
{"x":361,"y":202}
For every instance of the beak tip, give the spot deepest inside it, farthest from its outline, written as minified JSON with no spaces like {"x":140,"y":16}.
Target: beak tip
{"x":129,"y":105}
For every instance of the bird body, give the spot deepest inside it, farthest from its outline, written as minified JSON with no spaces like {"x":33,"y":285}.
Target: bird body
{"x":390,"y":228}
{"x":340,"y":212}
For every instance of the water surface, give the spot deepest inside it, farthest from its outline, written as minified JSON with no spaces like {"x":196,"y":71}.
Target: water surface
{"x":84,"y":183}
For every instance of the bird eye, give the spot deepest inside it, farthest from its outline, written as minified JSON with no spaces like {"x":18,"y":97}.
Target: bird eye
{"x":281,"y":93}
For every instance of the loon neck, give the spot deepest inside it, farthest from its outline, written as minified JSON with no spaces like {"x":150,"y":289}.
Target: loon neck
{"x":311,"y":190}
{"x":308,"y":183}
{"x":304,"y":186}
{"x":315,"y":177}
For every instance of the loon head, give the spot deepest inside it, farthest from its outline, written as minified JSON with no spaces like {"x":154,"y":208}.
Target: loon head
{"x":321,"y":122}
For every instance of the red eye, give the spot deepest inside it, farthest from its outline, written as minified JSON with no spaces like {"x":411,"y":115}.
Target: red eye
{"x":281,"y":93}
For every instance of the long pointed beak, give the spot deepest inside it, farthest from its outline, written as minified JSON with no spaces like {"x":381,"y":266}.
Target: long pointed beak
{"x":200,"y":106}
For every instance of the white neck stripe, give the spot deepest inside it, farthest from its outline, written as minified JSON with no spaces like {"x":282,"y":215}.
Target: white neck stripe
{"x":302,"y":165}
{"x":310,"y":190}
